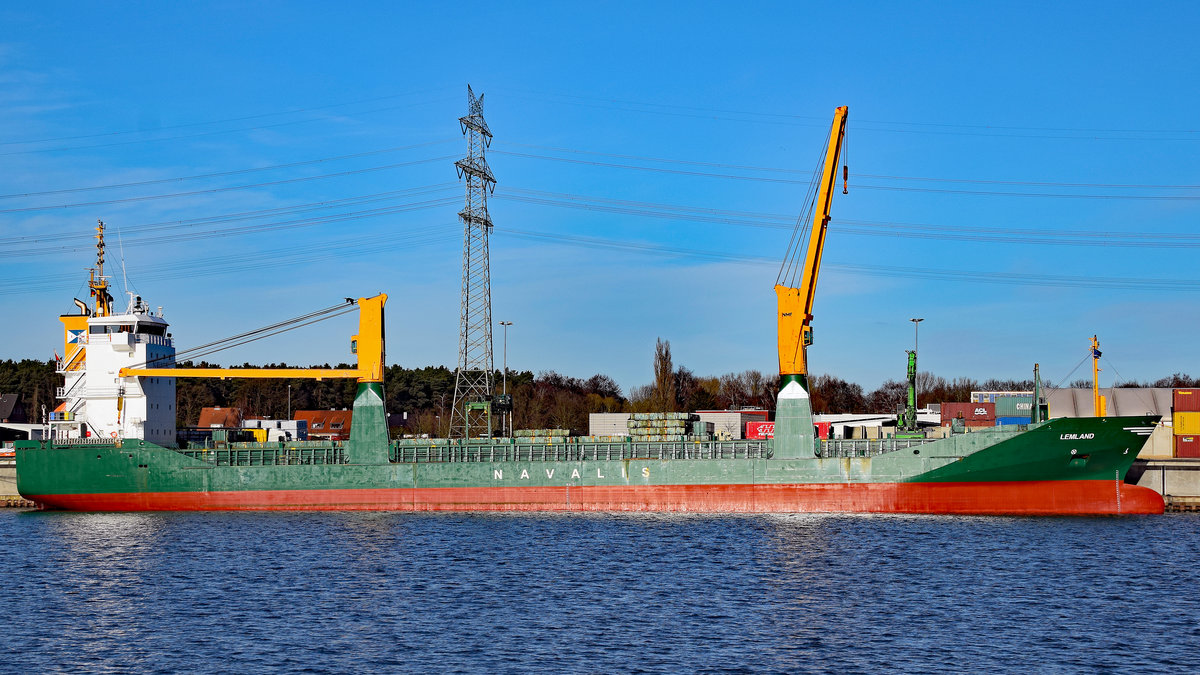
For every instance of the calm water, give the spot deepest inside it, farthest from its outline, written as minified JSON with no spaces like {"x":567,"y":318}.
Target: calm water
{"x":637,"y":593}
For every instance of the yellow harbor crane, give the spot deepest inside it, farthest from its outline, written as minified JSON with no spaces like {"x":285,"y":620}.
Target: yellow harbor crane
{"x":795,"y":305}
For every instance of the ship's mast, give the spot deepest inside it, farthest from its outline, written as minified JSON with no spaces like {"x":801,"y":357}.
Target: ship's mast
{"x":97,"y":282}
{"x":1099,"y":404}
{"x":1035,"y":415}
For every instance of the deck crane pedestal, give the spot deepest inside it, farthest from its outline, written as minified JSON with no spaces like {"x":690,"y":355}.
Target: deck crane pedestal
{"x":793,"y":415}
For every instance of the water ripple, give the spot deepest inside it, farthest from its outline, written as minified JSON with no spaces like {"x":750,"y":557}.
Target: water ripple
{"x":217,"y":593}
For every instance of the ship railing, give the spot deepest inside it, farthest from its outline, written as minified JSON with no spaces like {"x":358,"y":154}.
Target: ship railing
{"x":578,"y":452}
{"x":268,"y":454}
{"x":68,"y":442}
{"x":70,"y":365}
{"x":860,"y":447}
{"x":64,"y":392}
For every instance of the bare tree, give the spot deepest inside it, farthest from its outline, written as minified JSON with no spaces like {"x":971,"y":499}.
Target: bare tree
{"x":761,"y":395}
{"x":888,"y":397}
{"x":664,"y":377}
{"x":733,"y":391}
{"x":834,"y":395}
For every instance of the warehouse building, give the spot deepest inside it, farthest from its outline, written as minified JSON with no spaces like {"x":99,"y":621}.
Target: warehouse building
{"x":727,"y":424}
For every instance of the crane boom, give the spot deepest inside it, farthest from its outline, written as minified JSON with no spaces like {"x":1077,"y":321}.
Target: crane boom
{"x":368,"y":345}
{"x":795,"y":304}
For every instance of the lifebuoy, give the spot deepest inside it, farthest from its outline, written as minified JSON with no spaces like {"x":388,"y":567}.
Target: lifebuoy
{"x":113,"y":434}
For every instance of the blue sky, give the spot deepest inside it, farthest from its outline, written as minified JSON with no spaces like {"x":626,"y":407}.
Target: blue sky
{"x":1023,"y":176}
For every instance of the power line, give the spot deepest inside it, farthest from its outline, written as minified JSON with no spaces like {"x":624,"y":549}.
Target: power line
{"x":765,"y":179}
{"x":313,"y":253}
{"x":1003,"y":278}
{"x":642,"y":158}
{"x":124,"y":200}
{"x":711,"y":113}
{"x":220,"y":174}
{"x":897,"y":188}
{"x":664,"y":160}
{"x":226,"y":120}
{"x":76,"y":234}
{"x":1129,"y":186}
{"x":199,"y":135}
{"x":329,"y":253}
{"x":761,"y":179}
{"x":142,"y":235}
{"x":780,"y":221}
{"x":175,"y":238}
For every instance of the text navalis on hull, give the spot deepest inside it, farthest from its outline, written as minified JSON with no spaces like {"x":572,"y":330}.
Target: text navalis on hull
{"x":98,"y":458}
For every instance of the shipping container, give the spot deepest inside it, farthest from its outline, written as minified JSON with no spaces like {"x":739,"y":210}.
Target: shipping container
{"x":1001,"y":421}
{"x":998,"y":396}
{"x":1187,"y":400}
{"x":822,"y":429}
{"x":760,"y":430}
{"x":1187,"y":423}
{"x":1014,"y":406}
{"x":1187,"y":446}
{"x":977,"y":412}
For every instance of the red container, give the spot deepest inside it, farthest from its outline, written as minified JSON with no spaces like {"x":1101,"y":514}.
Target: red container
{"x":822,"y":429}
{"x":1187,"y":400}
{"x":760,"y":430}
{"x":969,"y":412}
{"x":1187,"y":446}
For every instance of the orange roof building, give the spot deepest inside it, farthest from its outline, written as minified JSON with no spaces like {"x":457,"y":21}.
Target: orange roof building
{"x":230,"y":418}
{"x":333,"y":424}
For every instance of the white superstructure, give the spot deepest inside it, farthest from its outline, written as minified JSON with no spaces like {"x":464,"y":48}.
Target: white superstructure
{"x":97,"y":344}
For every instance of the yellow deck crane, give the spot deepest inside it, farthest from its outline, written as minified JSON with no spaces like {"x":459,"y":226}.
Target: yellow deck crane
{"x":796,"y":304}
{"x":367,"y":345}
{"x":368,"y":431}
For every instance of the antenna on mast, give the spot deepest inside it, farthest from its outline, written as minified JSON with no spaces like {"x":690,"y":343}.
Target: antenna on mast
{"x":97,"y":282}
{"x":124,"y":276}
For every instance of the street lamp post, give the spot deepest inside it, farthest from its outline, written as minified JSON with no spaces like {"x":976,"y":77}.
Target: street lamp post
{"x":507,"y":417}
{"x":916,"y":326}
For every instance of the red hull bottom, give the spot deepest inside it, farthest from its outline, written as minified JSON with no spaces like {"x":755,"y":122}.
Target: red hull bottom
{"x":1023,"y":498}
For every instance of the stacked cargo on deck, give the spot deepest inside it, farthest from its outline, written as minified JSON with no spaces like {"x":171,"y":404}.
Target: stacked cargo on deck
{"x":1186,"y":419}
{"x":541,"y":435}
{"x":668,"y":426}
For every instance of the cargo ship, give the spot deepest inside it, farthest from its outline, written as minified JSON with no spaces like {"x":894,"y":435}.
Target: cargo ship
{"x":110,"y":445}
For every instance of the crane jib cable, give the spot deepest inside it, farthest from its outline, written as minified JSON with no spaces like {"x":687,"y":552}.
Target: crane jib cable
{"x":257,"y":334}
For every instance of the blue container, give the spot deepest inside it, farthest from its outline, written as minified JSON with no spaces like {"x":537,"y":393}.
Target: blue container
{"x":1001,"y":421}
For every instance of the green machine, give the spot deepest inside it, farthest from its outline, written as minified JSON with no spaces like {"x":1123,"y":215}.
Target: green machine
{"x":906,"y":420}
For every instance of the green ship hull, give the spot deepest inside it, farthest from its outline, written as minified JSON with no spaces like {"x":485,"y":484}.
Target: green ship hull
{"x":1064,"y":466}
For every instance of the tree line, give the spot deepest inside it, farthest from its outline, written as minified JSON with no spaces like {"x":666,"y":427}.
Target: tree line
{"x":545,"y":400}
